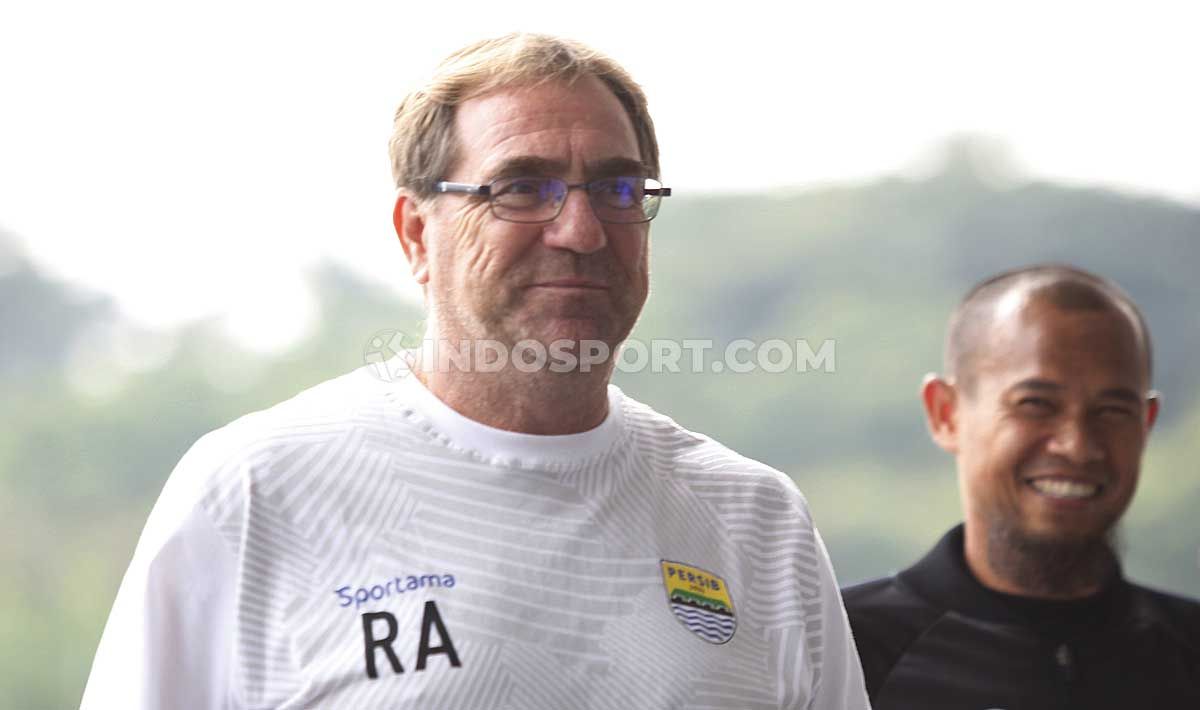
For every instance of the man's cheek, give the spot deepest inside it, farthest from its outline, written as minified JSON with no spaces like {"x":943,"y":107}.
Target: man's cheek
{"x":469,"y":225}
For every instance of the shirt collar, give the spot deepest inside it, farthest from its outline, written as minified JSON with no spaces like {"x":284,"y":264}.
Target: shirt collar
{"x":942,"y":577}
{"x":510,"y":448}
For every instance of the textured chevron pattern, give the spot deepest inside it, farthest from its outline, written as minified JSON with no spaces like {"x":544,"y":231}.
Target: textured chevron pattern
{"x":545,"y":574}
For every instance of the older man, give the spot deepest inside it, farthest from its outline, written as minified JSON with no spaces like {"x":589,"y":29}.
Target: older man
{"x":1046,"y":406}
{"x":509,"y":533}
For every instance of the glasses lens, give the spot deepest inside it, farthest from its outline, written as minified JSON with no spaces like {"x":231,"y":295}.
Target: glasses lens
{"x":625,"y":199}
{"x":527,"y":199}
{"x":616,"y":200}
{"x":652,"y":192}
{"x":619,"y":193}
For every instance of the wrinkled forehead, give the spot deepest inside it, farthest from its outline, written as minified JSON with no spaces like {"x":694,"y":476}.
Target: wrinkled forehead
{"x":555,"y":121}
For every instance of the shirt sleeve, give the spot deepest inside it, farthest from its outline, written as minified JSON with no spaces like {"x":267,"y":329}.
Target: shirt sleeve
{"x":169,"y":640}
{"x":840,"y":685}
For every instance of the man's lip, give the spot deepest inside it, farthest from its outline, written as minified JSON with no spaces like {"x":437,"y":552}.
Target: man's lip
{"x":570,"y":283}
{"x":1062,"y":477}
{"x":1033,"y":483}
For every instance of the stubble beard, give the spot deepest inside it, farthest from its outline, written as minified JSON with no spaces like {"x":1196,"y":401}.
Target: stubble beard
{"x":512,"y":322}
{"x":518,"y":318}
{"x":1052,"y":566}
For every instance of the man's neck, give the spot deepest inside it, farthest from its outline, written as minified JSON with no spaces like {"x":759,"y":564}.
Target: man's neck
{"x":544,"y":403}
{"x":1003,"y":562}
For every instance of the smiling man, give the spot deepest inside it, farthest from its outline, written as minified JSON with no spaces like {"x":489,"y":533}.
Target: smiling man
{"x":466,"y":535}
{"x":1046,"y":406}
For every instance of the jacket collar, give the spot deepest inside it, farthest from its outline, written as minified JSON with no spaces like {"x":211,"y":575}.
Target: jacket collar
{"x":943,"y":578}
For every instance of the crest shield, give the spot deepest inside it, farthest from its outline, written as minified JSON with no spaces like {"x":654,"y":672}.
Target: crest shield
{"x":700,"y":600}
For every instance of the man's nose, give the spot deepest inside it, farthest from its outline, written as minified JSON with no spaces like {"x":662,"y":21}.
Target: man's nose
{"x":1075,"y":441}
{"x":577,"y":229}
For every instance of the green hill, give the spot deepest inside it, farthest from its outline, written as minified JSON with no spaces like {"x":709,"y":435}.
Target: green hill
{"x":86,"y":445}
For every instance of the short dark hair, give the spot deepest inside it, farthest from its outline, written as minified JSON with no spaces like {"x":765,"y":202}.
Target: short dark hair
{"x":1063,"y":286}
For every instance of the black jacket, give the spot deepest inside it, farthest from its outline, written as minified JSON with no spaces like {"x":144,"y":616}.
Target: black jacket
{"x":932,"y":637}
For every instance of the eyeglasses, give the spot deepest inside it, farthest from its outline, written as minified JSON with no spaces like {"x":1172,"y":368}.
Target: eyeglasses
{"x":530,"y":200}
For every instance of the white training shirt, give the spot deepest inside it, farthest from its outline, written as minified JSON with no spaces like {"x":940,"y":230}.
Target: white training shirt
{"x":363,"y":545}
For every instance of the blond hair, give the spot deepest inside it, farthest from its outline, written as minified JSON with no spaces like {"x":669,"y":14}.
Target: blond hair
{"x":423,"y":146}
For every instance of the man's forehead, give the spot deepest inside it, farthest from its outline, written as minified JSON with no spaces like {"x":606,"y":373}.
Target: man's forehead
{"x":501,"y":166}
{"x":1039,"y":342}
{"x":549,"y":121}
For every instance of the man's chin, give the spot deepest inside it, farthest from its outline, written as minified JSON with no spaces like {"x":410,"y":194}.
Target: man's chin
{"x":1050,"y":535}
{"x":573,"y":332}
{"x":1069,"y":530}
{"x":1054,"y":560}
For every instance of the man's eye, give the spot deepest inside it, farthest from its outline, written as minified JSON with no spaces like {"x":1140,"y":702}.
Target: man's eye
{"x":619,"y":191}
{"x":1116,"y":411}
{"x":519,"y":186}
{"x":1036,"y":405}
{"x":523,"y":193}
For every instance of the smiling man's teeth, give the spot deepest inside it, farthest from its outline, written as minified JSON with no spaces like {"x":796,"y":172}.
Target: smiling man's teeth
{"x":1058,"y":488}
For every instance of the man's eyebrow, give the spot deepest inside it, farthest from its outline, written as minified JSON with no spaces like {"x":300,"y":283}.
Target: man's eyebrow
{"x":1122,"y":393}
{"x":1035,"y":383}
{"x":527,"y":165}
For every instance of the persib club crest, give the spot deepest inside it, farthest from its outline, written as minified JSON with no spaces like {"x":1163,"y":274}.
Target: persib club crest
{"x":700,"y":600}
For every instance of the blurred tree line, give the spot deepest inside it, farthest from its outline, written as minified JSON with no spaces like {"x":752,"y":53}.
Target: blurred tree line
{"x":97,"y":412}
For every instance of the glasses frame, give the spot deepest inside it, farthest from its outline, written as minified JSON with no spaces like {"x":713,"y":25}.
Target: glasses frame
{"x":485,"y":190}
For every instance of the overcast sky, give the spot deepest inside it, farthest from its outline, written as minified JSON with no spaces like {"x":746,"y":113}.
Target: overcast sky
{"x":192,"y":158}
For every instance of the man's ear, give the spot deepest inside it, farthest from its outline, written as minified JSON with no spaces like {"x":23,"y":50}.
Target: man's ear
{"x":941,"y":400}
{"x":409,"y":221}
{"x":1153,"y":404}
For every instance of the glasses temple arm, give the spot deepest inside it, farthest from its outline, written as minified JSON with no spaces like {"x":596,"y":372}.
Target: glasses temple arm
{"x":466,"y":188}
